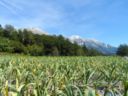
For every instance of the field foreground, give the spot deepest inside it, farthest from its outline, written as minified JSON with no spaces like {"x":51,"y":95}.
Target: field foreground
{"x":63,"y":76}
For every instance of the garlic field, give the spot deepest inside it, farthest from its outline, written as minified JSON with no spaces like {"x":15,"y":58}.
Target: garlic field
{"x":63,"y":76}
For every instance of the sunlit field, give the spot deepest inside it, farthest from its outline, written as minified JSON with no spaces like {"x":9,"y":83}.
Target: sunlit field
{"x":63,"y":76}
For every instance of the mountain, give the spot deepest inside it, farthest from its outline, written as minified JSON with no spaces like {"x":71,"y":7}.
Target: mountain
{"x":36,"y":31}
{"x":94,"y":44}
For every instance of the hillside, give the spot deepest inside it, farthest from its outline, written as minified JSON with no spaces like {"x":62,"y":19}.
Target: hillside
{"x":94,"y":44}
{"x":32,"y":42}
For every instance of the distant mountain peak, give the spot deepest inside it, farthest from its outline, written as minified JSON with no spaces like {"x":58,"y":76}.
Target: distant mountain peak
{"x":93,"y":44}
{"x":74,"y":37}
{"x":36,"y":30}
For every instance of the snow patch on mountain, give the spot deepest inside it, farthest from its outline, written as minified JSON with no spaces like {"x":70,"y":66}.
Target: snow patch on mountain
{"x":94,"y":44}
{"x":36,"y":30}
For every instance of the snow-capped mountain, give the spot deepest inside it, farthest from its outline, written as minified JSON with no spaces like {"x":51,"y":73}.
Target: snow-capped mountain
{"x":94,"y":44}
{"x":36,"y":31}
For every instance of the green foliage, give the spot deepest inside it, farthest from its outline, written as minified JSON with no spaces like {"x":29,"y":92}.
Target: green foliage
{"x":11,"y":46}
{"x":34,"y":50}
{"x":8,"y":31}
{"x":28,"y":37}
{"x":55,"y":51}
{"x":123,"y":50}
{"x":26,"y":42}
{"x":18,"y":47}
{"x":63,"y":76}
{"x":1,"y":31}
{"x":6,"y":45}
{"x":80,"y":52}
{"x":93,"y":52}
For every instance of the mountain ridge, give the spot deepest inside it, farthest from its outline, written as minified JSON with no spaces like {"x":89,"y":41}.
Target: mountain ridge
{"x":94,"y":44}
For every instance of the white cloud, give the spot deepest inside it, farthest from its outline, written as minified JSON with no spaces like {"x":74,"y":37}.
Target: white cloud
{"x":5,"y":5}
{"x":48,"y":14}
{"x":33,"y":13}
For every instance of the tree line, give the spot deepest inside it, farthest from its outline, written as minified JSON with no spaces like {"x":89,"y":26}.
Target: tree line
{"x":122,"y":50}
{"x":26,"y":42}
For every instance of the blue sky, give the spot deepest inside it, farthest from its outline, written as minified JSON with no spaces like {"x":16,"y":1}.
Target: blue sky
{"x":104,"y":20}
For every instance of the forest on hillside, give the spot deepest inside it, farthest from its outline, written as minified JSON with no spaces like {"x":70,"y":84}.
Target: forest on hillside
{"x":24,"y":41}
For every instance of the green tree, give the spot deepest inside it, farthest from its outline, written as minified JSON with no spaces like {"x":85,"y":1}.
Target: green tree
{"x":8,"y":30}
{"x":18,"y":47}
{"x":55,"y":51}
{"x":80,"y":52}
{"x":94,"y":52}
{"x":122,"y":50}
{"x":1,"y":31}
{"x":35,"y":50}
{"x":28,"y":37}
{"x":21,"y":36}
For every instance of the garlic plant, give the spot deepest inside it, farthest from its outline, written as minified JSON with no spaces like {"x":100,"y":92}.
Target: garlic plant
{"x":63,"y":76}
